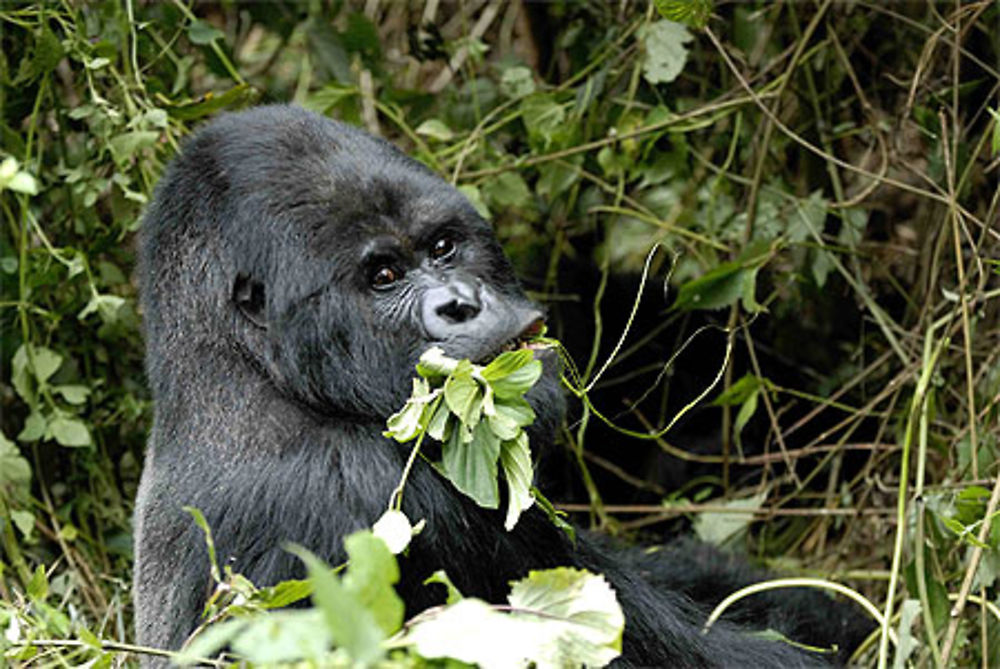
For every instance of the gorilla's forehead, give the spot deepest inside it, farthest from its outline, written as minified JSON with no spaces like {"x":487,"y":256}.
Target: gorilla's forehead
{"x":336,"y":179}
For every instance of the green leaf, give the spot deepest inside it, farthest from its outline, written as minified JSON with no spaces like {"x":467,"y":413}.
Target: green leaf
{"x":517,"y":383}
{"x":210,"y":103}
{"x":283,"y":594}
{"x":371,"y":574}
{"x":127,"y":144}
{"x":582,"y":616}
{"x":405,"y":425}
{"x":510,"y":416}
{"x":739,"y":392}
{"x":464,"y":396}
{"x":20,"y":376}
{"x":564,"y":618}
{"x":506,"y":364}
{"x":212,"y":640}
{"x":199,"y":520}
{"x":69,"y":431}
{"x":995,"y":140}
{"x":508,"y":191}
{"x":107,"y":306}
{"x":693,"y":13}
{"x":746,"y":412}
{"x":46,"y":363}
{"x":545,"y":120}
{"x":515,"y":458}
{"x":517,"y":82}
{"x":433,"y":362}
{"x":719,"y":527}
{"x":34,"y":427}
{"x":438,"y":426}
{"x":475,"y":198}
{"x":283,"y":637}
{"x":472,"y":466}
{"x":351,"y":625}
{"x":435,"y":129}
{"x":24,"y":521}
{"x":15,"y":472}
{"x":11,"y":178}
{"x":665,"y":53}
{"x":74,"y":394}
{"x":202,"y":33}
{"x":440,"y":576}
{"x":723,"y":285}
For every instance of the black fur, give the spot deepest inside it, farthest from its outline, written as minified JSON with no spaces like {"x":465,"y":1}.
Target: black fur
{"x":274,"y":364}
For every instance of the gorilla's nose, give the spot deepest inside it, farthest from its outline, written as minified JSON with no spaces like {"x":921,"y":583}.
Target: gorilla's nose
{"x":455,"y":303}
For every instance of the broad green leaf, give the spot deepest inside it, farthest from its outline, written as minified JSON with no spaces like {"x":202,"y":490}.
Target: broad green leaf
{"x":11,"y":178}
{"x":472,"y":466}
{"x":506,"y":364}
{"x":517,"y":82}
{"x":34,"y":427}
{"x":69,"y":431}
{"x":473,"y":632}
{"x":545,"y":120}
{"x":718,"y":527}
{"x":507,"y":190}
{"x":20,"y":376}
{"x":371,"y":574}
{"x":519,"y":382}
{"x":74,"y":394}
{"x":405,"y":425}
{"x":106,"y":306}
{"x":438,"y":425}
{"x":726,"y":283}
{"x":515,"y":458}
{"x":665,"y":53}
{"x":15,"y":472}
{"x":46,"y":362}
{"x":351,"y":625}
{"x":202,"y":33}
{"x":433,"y":362}
{"x":694,"y":13}
{"x":464,"y":397}
{"x":283,"y":594}
{"x":284,"y":636}
{"x":809,"y":218}
{"x":125,"y":145}
{"x":435,"y":129}
{"x":583,"y":620}
{"x":212,"y":640}
{"x":24,"y":521}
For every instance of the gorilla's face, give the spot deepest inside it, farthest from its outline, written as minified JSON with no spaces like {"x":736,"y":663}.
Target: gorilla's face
{"x":344,"y":260}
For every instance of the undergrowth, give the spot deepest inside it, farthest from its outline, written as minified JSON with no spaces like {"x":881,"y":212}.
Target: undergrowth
{"x":821,"y":179}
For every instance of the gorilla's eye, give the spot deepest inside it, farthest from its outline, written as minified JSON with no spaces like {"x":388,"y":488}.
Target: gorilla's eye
{"x":385,"y":276}
{"x":443,"y":248}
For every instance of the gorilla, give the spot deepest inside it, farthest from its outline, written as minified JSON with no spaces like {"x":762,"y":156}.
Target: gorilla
{"x":292,"y":270}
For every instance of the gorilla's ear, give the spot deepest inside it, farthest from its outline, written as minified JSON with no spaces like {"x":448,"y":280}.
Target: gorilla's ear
{"x":248,"y":295}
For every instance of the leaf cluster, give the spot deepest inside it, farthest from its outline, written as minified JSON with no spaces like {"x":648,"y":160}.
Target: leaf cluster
{"x":478,"y":415}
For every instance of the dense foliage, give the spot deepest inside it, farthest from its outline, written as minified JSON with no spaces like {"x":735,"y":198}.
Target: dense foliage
{"x":821,"y":180}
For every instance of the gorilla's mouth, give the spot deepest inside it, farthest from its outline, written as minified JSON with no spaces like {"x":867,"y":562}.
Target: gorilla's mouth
{"x":525,"y":339}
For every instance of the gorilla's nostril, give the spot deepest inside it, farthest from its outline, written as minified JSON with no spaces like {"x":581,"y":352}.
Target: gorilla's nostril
{"x":458,"y":311}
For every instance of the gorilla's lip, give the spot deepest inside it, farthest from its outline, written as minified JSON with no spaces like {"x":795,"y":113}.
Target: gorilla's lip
{"x":524,"y":339}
